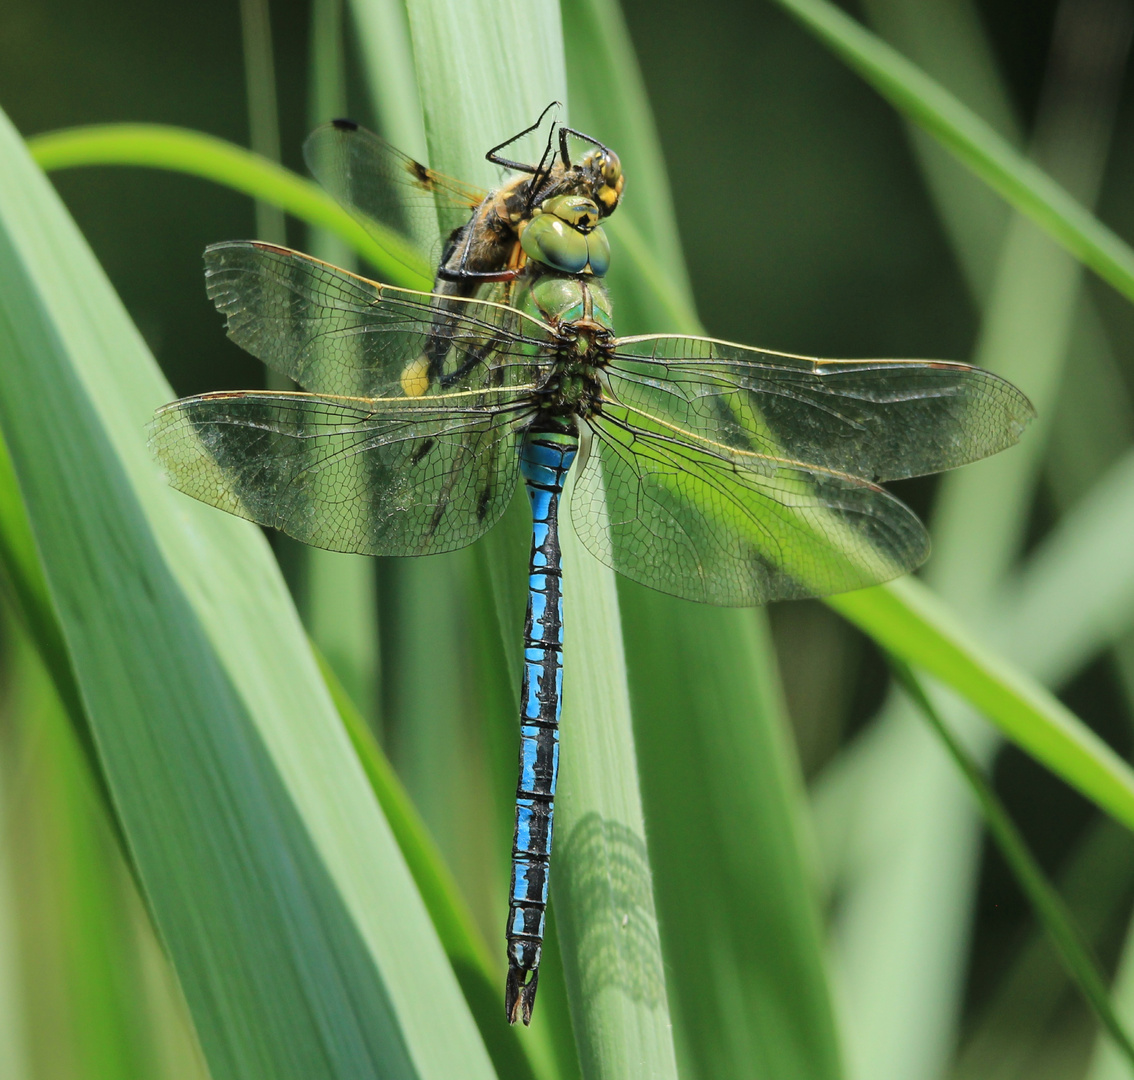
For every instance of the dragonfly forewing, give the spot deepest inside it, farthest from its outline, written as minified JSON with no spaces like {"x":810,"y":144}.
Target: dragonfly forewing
{"x":334,"y":332}
{"x":876,"y":419}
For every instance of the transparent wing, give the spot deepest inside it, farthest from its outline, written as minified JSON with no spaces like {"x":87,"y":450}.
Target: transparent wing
{"x":728,"y":527}
{"x":877,"y":419}
{"x":374,"y":182}
{"x":376,"y":478}
{"x":337,"y":333}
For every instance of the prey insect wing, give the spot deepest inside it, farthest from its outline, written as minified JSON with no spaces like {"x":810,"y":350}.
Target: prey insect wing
{"x":377,"y":183}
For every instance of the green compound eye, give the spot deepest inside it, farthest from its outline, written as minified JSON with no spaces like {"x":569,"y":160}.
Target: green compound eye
{"x":598,"y":247}
{"x":551,"y":241}
{"x":564,"y":236}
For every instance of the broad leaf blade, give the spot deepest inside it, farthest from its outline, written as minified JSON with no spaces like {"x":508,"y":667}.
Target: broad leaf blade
{"x":292,"y":922}
{"x":720,"y":783}
{"x":467,"y":56}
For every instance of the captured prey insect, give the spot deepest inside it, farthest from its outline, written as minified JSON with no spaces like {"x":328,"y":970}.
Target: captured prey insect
{"x":712,"y":471}
{"x":482,"y":230}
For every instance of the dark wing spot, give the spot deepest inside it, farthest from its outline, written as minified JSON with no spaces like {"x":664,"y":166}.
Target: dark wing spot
{"x":483,"y":500}
{"x":342,"y":124}
{"x":438,"y":514}
{"x":422,"y":450}
{"x":421,"y":174}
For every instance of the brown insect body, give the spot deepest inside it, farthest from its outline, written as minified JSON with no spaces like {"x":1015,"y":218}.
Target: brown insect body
{"x":487,"y":246}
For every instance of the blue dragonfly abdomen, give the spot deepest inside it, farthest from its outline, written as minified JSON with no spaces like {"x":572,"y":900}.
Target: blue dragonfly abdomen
{"x":545,"y":457}
{"x":546,"y":454}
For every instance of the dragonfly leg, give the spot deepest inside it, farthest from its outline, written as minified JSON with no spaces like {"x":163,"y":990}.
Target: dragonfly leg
{"x":494,"y":156}
{"x":564,"y":150}
{"x":544,"y":461}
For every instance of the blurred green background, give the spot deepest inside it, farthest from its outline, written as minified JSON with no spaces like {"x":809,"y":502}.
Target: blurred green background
{"x":808,"y":226}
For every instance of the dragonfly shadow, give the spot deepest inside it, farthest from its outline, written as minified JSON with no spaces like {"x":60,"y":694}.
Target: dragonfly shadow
{"x":605,"y":910}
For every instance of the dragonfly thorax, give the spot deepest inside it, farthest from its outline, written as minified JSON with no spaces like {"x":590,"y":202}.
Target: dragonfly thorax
{"x":572,"y":385}
{"x":578,"y":308}
{"x":571,"y":388}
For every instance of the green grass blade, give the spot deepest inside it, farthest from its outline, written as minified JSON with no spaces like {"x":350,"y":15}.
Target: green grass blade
{"x":381,"y":36}
{"x":464,"y":945}
{"x":1060,"y":609}
{"x":478,"y":975}
{"x":96,"y":1002}
{"x":605,"y":904}
{"x":902,"y":940}
{"x":22,"y":580}
{"x":907,"y":918}
{"x":14,"y":1055}
{"x":293,"y":924}
{"x":1029,"y":999}
{"x":439,"y":712}
{"x":191,"y":152}
{"x":720,"y":783}
{"x":907,"y":620}
{"x":1108,"y":1061}
{"x":741,"y":930}
{"x":946,"y":39}
{"x":437,"y":695}
{"x":263,"y":112}
{"x":973,"y":141}
{"x":1048,"y":905}
{"x":340,"y":598}
{"x":21,"y":577}
{"x":330,"y":580}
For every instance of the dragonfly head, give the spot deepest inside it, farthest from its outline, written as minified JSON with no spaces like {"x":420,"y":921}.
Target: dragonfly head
{"x":563,"y":234}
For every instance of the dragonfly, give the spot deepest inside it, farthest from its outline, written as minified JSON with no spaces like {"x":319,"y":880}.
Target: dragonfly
{"x":711,"y":471}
